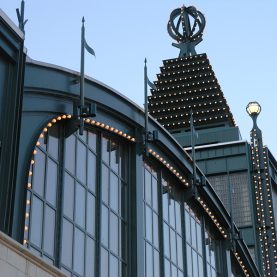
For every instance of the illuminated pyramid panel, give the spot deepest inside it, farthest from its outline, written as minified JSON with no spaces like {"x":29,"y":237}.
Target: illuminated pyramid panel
{"x":186,"y":84}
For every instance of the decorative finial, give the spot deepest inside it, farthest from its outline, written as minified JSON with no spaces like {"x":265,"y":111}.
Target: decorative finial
{"x":186,"y":26}
{"x":83,"y":20}
{"x":20,"y":17}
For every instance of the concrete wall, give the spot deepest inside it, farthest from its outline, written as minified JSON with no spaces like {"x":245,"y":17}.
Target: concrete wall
{"x":18,"y":261}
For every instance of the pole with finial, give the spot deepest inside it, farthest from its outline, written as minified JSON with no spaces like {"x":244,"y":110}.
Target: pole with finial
{"x":20,"y":17}
{"x":146,"y":107}
{"x":82,"y":78}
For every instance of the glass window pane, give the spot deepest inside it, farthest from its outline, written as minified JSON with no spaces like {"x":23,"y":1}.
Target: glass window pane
{"x":80,"y":202}
{"x":105,"y":225}
{"x":155,"y":230}
{"x":67,"y":241}
{"x":187,"y":223}
{"x":195,"y":263}
{"x":105,"y":149}
{"x":70,"y":153}
{"x":173,"y":246}
{"x":166,"y":268}
{"x":189,"y":261}
{"x":173,"y":270}
{"x":79,"y":247}
{"x":113,"y":233}
{"x":104,"y":263}
{"x":114,"y":156}
{"x":68,"y":201}
{"x":165,"y":206}
{"x":114,"y":192}
{"x":199,"y":239}
{"x":91,"y":214}
{"x":51,"y":182}
{"x":178,"y":217}
{"x":91,"y":171}
{"x":81,"y":162}
{"x":53,"y":146}
{"x":90,"y":250}
{"x":105,"y":184}
{"x":155,"y":193}
{"x":193,"y":233}
{"x":147,"y":188}
{"x":39,"y":173}
{"x":172,"y":213}
{"x":113,"y":266}
{"x":200,"y":266}
{"x":166,"y":241}
{"x":123,"y":164}
{"x":149,"y":261}
{"x":156,"y":264}
{"x":36,"y":221}
{"x":92,"y":140}
{"x":180,"y":251}
{"x":148,"y":223}
{"x":49,"y":230}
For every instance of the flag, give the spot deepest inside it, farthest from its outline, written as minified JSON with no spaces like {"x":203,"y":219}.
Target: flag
{"x":89,"y":49}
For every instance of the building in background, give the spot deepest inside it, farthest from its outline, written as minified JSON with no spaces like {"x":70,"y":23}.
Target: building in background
{"x":124,"y":198}
{"x":243,"y":174}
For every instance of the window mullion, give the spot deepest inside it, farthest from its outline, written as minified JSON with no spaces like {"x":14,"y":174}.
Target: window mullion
{"x":184,"y":244}
{"x":203,"y":226}
{"x":160,"y":218}
{"x":98,"y":206}
{"x":60,"y":198}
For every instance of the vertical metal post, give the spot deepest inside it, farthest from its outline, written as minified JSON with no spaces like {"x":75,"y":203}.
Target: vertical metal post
{"x":82,"y":78}
{"x":145,"y":108}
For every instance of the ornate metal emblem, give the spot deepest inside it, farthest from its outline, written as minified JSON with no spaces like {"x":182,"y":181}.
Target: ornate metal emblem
{"x":186,"y":26}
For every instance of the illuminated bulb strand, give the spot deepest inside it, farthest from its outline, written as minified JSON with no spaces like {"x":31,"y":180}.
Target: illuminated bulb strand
{"x":165,"y":72}
{"x":270,"y":206}
{"x":169,"y":166}
{"x":242,"y":264}
{"x":222,"y":231}
{"x":42,"y":135}
{"x":193,"y":97}
{"x":259,"y":200}
{"x":210,"y":214}
{"x":165,"y":117}
{"x":197,"y":76}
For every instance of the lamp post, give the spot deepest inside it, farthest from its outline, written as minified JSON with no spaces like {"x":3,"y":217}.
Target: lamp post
{"x":261,"y":194}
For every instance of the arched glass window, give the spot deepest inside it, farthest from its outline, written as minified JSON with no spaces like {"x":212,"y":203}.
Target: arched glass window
{"x":172,"y":231}
{"x":194,"y":243}
{"x":76,"y":212}
{"x":151,"y":222}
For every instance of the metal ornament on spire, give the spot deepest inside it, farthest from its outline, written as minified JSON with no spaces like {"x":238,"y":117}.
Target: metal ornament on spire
{"x":186,"y":26}
{"x":83,"y":110}
{"x":20,"y":17}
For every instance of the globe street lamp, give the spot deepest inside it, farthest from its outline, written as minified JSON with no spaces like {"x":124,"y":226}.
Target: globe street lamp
{"x":254,"y":109}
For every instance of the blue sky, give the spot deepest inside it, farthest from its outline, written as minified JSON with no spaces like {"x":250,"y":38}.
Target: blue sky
{"x":240,"y":40}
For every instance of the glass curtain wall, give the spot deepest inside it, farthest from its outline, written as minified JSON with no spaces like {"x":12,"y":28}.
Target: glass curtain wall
{"x":186,"y":247}
{"x":70,"y":180}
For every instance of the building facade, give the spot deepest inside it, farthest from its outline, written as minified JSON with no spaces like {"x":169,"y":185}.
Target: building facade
{"x":105,"y":203}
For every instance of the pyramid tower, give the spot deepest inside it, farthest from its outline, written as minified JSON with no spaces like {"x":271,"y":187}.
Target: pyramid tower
{"x":188,"y":83}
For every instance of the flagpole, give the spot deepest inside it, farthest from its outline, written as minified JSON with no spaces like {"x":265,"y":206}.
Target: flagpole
{"x":146,"y":107}
{"x":193,"y":147}
{"x":82,"y":77}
